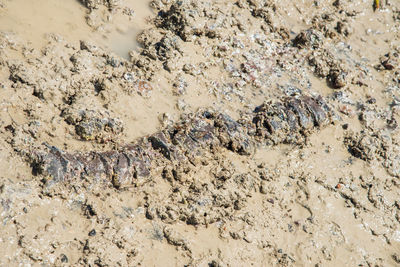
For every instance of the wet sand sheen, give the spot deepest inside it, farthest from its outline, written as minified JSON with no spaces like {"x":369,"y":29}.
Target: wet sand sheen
{"x":331,"y":199}
{"x":32,"y":21}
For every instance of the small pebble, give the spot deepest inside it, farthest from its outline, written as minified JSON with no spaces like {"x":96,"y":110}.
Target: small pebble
{"x":371,"y":100}
{"x":337,"y":78}
{"x":64,"y":258}
{"x":92,"y":232}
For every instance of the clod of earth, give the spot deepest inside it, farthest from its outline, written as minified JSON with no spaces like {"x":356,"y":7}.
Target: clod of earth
{"x":289,"y":121}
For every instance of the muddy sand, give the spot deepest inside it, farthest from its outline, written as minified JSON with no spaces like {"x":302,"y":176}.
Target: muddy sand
{"x":199,"y":133}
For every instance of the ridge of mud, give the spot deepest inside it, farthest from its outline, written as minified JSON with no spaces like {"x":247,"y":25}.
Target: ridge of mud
{"x":288,"y":121}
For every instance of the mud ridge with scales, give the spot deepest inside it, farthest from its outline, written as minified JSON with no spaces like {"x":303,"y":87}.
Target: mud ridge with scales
{"x":289,"y":121}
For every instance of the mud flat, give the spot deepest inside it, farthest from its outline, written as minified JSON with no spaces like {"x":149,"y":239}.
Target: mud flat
{"x":199,"y":133}
{"x":110,"y":26}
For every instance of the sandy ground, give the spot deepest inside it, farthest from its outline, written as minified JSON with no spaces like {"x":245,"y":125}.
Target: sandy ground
{"x":83,"y":82}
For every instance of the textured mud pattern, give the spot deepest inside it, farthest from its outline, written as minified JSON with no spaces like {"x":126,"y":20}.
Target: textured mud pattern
{"x":128,"y":158}
{"x":376,"y":146}
{"x":288,"y":121}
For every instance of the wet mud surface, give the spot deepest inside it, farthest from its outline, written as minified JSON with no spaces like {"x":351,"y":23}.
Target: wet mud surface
{"x":227,"y":133}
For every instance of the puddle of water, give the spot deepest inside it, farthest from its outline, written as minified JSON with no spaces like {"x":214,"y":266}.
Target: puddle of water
{"x":122,"y":42}
{"x":31,"y":20}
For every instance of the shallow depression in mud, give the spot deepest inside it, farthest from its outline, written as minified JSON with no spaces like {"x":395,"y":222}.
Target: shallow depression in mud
{"x":32,"y":21}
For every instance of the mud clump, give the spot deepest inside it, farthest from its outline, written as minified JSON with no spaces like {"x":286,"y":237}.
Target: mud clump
{"x":93,"y":125}
{"x":181,"y":17}
{"x":207,"y":202}
{"x":94,"y":4}
{"x":364,"y":146}
{"x":175,"y":19}
{"x":376,"y":146}
{"x":309,"y":38}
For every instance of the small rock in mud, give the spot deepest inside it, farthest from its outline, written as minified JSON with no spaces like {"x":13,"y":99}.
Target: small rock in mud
{"x":64,"y":258}
{"x":337,"y":78}
{"x":390,"y":61}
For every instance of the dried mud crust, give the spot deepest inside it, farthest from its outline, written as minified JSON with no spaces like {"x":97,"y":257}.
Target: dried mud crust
{"x":187,"y":142}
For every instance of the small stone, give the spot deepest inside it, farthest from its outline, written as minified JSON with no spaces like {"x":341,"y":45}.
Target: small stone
{"x":371,"y":100}
{"x":337,"y":3}
{"x":129,"y":77}
{"x":92,"y":232}
{"x":390,"y":60}
{"x":388,"y":64}
{"x":150,"y":214}
{"x":337,"y":78}
{"x":396,"y":257}
{"x":214,"y":263}
{"x":64,"y":258}
{"x":114,"y":62}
